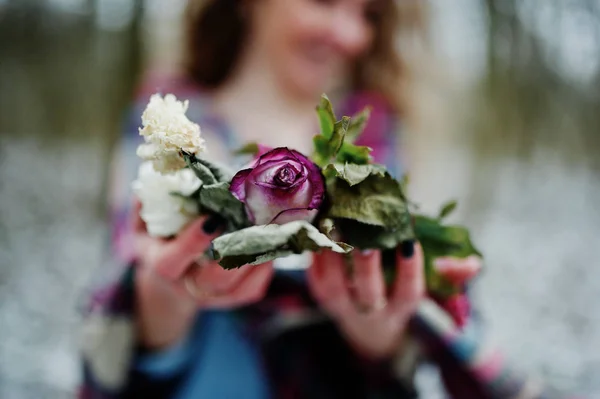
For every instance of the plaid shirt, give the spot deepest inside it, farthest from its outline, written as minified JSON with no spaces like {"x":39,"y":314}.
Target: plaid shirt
{"x":302,"y":351}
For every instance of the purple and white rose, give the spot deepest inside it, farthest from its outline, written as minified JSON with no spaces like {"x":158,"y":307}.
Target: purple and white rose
{"x":280,"y":186}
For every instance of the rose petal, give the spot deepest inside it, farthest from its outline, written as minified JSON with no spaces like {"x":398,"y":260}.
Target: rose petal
{"x":287,"y":175}
{"x":267,"y":180}
{"x":266,"y":203}
{"x":316,"y":180}
{"x":258,"y":210}
{"x":291,"y":215}
{"x":276,"y":154}
{"x":267,"y":170}
{"x":262,"y":150}
{"x":237,"y":186}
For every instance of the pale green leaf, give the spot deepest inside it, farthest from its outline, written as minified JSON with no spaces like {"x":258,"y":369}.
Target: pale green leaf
{"x":367,"y":236}
{"x":259,"y":244}
{"x":350,"y":153}
{"x":326,"y":116}
{"x":404,"y":182}
{"x":327,"y":148}
{"x":327,"y":227}
{"x":377,"y":200}
{"x":353,"y":174}
{"x":205,"y":169}
{"x":202,"y":172}
{"x":367,"y":205}
{"x":339,"y":134}
{"x":358,"y":124}
{"x":214,"y":196}
{"x":217,"y":199}
{"x":447,"y":209}
{"x":331,"y":144}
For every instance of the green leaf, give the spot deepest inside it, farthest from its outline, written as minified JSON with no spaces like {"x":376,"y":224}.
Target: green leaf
{"x":438,"y":240}
{"x":248,"y":149}
{"x":377,"y":200}
{"x":447,"y":209}
{"x":351,"y":153}
{"x":339,"y":134}
{"x":321,"y":155}
{"x":445,"y":240}
{"x":327,"y":148}
{"x":217,"y":199}
{"x":353,"y":174}
{"x":404,"y":181}
{"x":326,"y":116}
{"x":358,"y":124}
{"x":214,"y":196}
{"x":259,"y":244}
{"x":327,"y":226}
{"x":368,"y":206}
{"x":203,"y":173}
{"x":366,"y":236}
{"x":211,"y":171}
{"x":332,"y":144}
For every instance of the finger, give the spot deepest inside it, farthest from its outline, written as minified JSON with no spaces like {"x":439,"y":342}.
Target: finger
{"x":215,"y":278}
{"x":458,"y":270}
{"x":147,"y":248}
{"x":135,"y":218}
{"x":409,"y":286}
{"x":368,"y":283}
{"x":252,"y":288}
{"x":316,"y":269}
{"x":177,"y":255}
{"x":328,"y":283}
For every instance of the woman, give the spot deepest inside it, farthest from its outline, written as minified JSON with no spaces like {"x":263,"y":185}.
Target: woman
{"x":179,"y":326}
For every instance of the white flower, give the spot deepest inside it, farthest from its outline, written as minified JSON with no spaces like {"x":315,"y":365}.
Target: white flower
{"x":167,"y":132}
{"x":166,"y":214}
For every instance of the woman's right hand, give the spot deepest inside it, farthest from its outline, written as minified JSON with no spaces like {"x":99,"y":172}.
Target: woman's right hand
{"x":174,"y":280}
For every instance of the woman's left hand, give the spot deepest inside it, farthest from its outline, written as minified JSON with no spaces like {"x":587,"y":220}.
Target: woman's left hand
{"x":372,"y":319}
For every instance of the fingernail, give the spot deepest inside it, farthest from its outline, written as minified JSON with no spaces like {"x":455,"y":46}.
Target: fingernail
{"x":212,"y":224}
{"x":407,"y":248}
{"x":366,"y":252}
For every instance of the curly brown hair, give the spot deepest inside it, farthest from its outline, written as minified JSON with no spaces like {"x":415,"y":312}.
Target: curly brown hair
{"x":216,"y":31}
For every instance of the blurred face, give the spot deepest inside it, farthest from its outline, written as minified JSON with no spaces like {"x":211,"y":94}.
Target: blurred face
{"x":309,"y":43}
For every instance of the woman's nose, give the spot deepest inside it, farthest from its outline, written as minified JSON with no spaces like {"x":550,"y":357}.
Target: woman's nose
{"x":350,"y":33}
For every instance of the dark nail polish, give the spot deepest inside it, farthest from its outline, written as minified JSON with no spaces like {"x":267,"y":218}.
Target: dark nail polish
{"x":212,"y":224}
{"x":407,"y":248}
